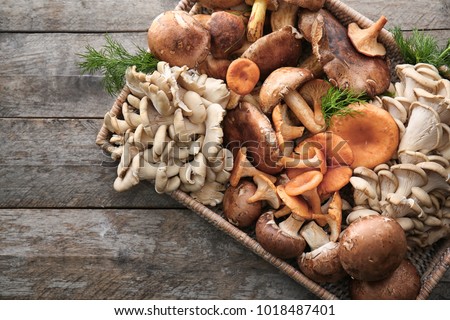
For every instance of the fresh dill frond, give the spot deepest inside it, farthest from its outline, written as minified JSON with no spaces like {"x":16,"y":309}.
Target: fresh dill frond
{"x":336,"y":103}
{"x":112,"y":60}
{"x":421,"y":48}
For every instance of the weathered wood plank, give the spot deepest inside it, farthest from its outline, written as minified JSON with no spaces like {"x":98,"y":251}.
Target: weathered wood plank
{"x":100,"y":16}
{"x":107,"y":15}
{"x":132,"y":254}
{"x":55,"y":163}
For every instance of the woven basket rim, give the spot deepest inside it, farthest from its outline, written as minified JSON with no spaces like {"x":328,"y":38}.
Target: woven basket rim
{"x":441,"y":259}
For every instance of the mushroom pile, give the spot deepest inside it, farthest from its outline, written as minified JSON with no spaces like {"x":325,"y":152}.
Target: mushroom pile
{"x":170,"y":133}
{"x":413,"y":187}
{"x":233,"y":114}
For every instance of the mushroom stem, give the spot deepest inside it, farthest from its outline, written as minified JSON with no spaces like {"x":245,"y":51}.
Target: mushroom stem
{"x":302,"y":111}
{"x":256,"y":21}
{"x":292,"y":225}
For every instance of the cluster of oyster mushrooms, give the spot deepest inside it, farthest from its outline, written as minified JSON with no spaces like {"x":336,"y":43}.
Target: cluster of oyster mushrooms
{"x":170,"y":133}
{"x":413,"y":187}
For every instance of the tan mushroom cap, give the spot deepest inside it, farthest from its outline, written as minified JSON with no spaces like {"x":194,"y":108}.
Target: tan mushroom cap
{"x":365,"y":40}
{"x":282,"y":84}
{"x":312,"y":92}
{"x":266,"y":190}
{"x":243,"y":168}
{"x":371,"y":133}
{"x":177,"y":38}
{"x":284,"y":129}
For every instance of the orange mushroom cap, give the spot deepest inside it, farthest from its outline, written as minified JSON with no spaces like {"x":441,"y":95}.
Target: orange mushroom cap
{"x":336,"y":149}
{"x":371,"y":133}
{"x":242,"y":76}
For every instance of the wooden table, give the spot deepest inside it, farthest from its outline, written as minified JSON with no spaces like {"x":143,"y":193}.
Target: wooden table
{"x":64,"y":232}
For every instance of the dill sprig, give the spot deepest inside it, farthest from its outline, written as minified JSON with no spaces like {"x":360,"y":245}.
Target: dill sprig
{"x":112,"y":61}
{"x":336,"y":103}
{"x":423,"y":48}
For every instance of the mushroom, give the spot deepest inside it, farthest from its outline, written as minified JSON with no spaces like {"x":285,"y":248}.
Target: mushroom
{"x":312,"y":5}
{"x":284,"y":129}
{"x":334,"y":180}
{"x":243,"y":168}
{"x":403,"y":283}
{"x":220,"y":4}
{"x":345,"y":67}
{"x":424,"y":129}
{"x":371,"y":133}
{"x":259,"y":137}
{"x":242,"y":76}
{"x":313,"y":91}
{"x":281,"y":84}
{"x":372,"y":247}
{"x":337,"y":150}
{"x":227,"y":32}
{"x":306,"y":184}
{"x":277,"y":49}
{"x":266,"y":190}
{"x":322,"y":264}
{"x":408,"y":175}
{"x":236,"y":208}
{"x":257,"y":17}
{"x":286,"y":15}
{"x":276,"y":239}
{"x":365,"y":40}
{"x":179,"y":39}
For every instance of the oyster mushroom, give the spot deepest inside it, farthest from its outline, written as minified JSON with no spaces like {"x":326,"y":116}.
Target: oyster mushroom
{"x":179,"y":39}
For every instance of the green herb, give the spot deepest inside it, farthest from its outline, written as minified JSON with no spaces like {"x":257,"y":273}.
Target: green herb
{"x":112,"y":61}
{"x":336,"y":102}
{"x":423,"y":48}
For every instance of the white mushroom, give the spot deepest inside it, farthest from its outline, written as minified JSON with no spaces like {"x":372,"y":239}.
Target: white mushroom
{"x":424,"y":129}
{"x":210,"y":194}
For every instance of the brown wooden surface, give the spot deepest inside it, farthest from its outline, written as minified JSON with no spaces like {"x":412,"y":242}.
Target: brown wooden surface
{"x":64,"y":232}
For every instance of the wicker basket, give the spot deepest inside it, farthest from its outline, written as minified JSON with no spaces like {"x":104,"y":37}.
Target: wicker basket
{"x":431,"y":262}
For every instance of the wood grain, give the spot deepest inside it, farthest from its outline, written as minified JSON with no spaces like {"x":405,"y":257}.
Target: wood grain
{"x":129,"y":254}
{"x":120,"y":16}
{"x":55,"y":163}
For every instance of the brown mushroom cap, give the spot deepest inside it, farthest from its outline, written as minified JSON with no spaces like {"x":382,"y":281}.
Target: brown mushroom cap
{"x":236,"y":208}
{"x":274,"y":240}
{"x":177,"y":38}
{"x":322,"y":264}
{"x":403,"y":284}
{"x":312,"y":5}
{"x":372,"y":247}
{"x":259,"y":136}
{"x":277,"y":49}
{"x":220,"y":4}
{"x":371,"y":132}
{"x":344,"y":66}
{"x":227,"y":32}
